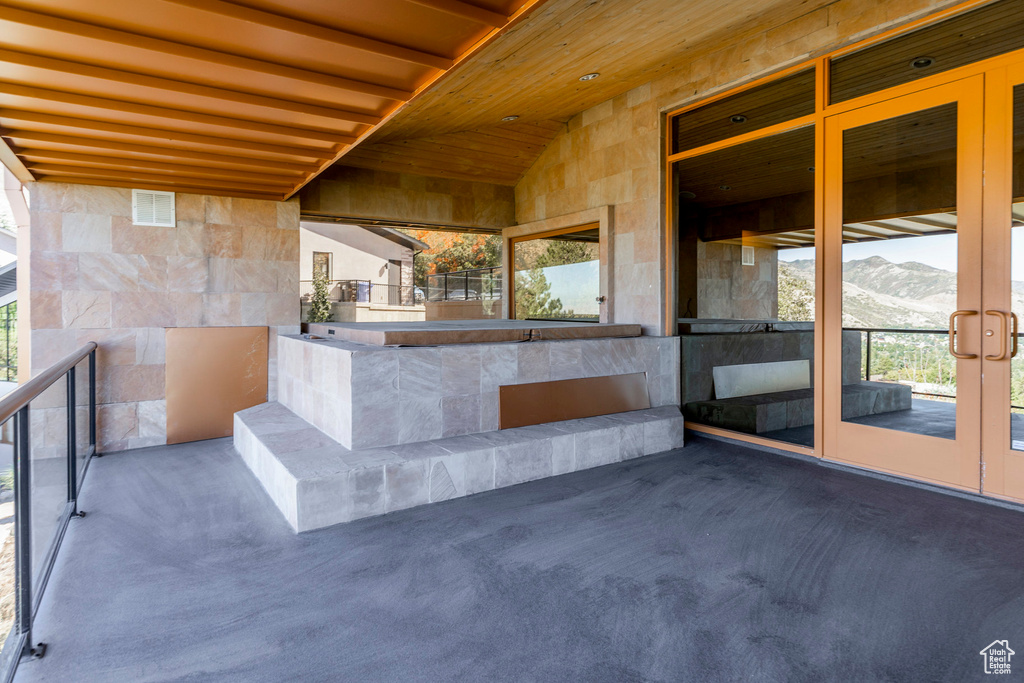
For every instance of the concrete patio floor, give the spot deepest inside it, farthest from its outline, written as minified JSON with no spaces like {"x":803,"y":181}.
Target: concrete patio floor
{"x":711,"y":563}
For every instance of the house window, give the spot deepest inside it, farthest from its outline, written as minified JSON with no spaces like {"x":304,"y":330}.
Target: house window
{"x":322,"y":263}
{"x":556,"y":276}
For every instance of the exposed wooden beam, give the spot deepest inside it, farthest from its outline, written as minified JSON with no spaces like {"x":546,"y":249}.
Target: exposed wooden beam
{"x":47,"y":156}
{"x":183,"y":87}
{"x":74,"y":141}
{"x":310,"y":30}
{"x":465,"y":10}
{"x":134,"y":176}
{"x":9,"y":159}
{"x":83,"y":29}
{"x":104,"y":103}
{"x":248,"y":147}
{"x":198,"y":188}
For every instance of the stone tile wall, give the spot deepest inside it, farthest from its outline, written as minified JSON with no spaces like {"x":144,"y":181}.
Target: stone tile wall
{"x":365,"y":396}
{"x":93,"y":276}
{"x":612,"y":153}
{"x":727,"y":289}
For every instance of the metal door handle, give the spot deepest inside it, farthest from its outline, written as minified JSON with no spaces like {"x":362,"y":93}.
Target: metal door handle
{"x":952,"y":335}
{"x":1013,"y":334}
{"x":1002,"y":335}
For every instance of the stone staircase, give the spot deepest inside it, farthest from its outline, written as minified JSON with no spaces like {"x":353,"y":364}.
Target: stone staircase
{"x":317,"y":482}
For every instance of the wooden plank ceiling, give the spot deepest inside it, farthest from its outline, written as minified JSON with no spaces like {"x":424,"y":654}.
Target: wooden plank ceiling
{"x":532,"y":72}
{"x":256,"y":97}
{"x":245,"y":99}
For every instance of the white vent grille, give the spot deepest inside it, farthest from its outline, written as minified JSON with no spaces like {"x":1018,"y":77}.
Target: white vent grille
{"x":150,"y":207}
{"x":748,"y":256}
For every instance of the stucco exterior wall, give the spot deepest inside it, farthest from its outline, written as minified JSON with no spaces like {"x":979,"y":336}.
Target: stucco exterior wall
{"x":93,"y":276}
{"x":612,"y":154}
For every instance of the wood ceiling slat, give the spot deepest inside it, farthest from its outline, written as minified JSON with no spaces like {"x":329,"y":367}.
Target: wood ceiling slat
{"x":163,"y":135}
{"x":466,"y":11}
{"x":45,"y":156}
{"x":175,"y":49}
{"x":19,"y":137}
{"x":310,"y":30}
{"x":197,"y":188}
{"x":230,"y":123}
{"x":170,"y":178}
{"x":175,"y":86}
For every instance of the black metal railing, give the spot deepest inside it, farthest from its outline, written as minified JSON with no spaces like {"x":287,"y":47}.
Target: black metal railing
{"x":474,"y":284}
{"x":367,"y":292}
{"x":868,"y":331}
{"x":48,"y":469}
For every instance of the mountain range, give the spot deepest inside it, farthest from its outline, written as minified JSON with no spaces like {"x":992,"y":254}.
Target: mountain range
{"x":880,"y":293}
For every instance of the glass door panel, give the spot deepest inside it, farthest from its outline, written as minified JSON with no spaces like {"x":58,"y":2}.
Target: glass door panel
{"x":900,"y":263}
{"x":903,"y":255}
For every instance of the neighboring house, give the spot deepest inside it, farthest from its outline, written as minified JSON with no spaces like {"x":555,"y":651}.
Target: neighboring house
{"x":370,"y":270}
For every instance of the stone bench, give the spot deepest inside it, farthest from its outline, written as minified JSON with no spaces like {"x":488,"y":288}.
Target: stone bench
{"x":769,"y":412}
{"x":317,"y":482}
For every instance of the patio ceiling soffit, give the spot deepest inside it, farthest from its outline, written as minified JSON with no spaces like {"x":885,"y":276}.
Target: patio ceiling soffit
{"x":218,"y":97}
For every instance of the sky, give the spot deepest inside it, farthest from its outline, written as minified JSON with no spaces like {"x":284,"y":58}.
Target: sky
{"x":577,"y":285}
{"x":938,"y":251}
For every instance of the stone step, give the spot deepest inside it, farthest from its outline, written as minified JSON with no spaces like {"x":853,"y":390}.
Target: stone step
{"x":317,"y":482}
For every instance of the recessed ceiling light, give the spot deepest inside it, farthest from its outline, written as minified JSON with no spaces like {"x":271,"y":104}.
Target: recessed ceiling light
{"x":922,"y":62}
{"x":509,"y":118}
{"x":686,"y":194}
{"x":724,"y":187}
{"x":589,"y":77}
{"x":738,"y":118}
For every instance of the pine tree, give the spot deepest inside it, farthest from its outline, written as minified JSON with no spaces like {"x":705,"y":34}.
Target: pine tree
{"x":319,"y":305}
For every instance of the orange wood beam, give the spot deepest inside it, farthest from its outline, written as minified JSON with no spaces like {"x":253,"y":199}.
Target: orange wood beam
{"x":83,"y":29}
{"x":152,"y":150}
{"x":47,"y":156}
{"x":173,"y":187}
{"x":310,"y":30}
{"x":465,"y":11}
{"x":248,"y":147}
{"x":133,"y":176}
{"x":184,"y":87}
{"x":75,"y":99}
{"x":9,"y":159}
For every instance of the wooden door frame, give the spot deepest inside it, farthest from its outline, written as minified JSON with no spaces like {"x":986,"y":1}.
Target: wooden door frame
{"x":1003,"y":467}
{"x":947,"y":462}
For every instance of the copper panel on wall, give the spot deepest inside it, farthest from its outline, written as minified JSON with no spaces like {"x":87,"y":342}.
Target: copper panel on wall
{"x":570,"y":399}
{"x":212,"y":373}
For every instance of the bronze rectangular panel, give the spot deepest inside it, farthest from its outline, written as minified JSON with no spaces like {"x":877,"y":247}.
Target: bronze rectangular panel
{"x":212,"y":373}
{"x":570,"y":399}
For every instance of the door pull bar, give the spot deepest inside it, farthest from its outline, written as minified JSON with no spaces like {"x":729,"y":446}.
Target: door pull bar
{"x":952,"y":335}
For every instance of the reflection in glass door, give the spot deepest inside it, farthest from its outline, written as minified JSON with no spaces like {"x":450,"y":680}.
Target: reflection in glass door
{"x":902,"y":212}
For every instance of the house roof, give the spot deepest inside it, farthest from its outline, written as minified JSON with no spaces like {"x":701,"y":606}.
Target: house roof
{"x":8,"y":279}
{"x":335,"y":231}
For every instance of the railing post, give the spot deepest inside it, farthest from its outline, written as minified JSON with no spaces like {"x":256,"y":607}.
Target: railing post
{"x":92,"y":402}
{"x":22,"y":527}
{"x":72,"y":445}
{"x":867,"y":360}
